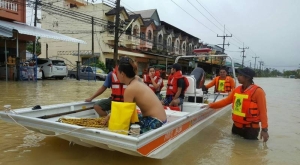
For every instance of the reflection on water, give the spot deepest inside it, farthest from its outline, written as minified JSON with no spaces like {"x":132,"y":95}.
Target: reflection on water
{"x":213,"y":145}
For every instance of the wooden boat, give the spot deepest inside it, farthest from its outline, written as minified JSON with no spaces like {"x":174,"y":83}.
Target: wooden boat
{"x":159,"y":143}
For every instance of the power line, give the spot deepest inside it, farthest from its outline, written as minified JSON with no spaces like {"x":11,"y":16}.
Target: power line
{"x":208,"y":12}
{"x":127,"y":5}
{"x":192,"y":16}
{"x":203,"y":15}
{"x":238,"y":40}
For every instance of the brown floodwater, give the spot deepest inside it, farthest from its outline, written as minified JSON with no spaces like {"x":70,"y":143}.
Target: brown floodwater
{"x":213,"y":145}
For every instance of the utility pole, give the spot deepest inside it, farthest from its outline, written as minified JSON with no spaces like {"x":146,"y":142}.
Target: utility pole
{"x":116,"y":41}
{"x":35,"y":19}
{"x":224,"y":37}
{"x":250,"y":64}
{"x":260,"y":64}
{"x":92,"y":36}
{"x":255,"y":57}
{"x":243,"y":54}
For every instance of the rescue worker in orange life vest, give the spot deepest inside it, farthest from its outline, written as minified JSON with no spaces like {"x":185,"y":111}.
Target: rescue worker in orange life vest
{"x":176,"y":87}
{"x":248,"y":107}
{"x":222,"y":83}
{"x":154,"y":81}
{"x":103,"y":106}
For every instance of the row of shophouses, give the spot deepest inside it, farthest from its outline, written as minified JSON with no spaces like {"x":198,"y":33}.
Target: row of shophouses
{"x":148,"y":40}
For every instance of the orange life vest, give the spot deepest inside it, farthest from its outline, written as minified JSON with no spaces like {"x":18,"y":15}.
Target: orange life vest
{"x":244,"y":110}
{"x":148,"y":82}
{"x":117,"y":88}
{"x":157,"y":73}
{"x":169,"y":84}
{"x":172,"y":83}
{"x":224,"y":86}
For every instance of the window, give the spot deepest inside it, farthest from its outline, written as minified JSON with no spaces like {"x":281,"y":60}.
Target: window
{"x":177,"y":45}
{"x":58,"y":63}
{"x":89,"y":69}
{"x":73,"y":5}
{"x":143,"y":35}
{"x":40,"y":62}
{"x":169,"y":41}
{"x":160,"y":39}
{"x":135,"y":30}
{"x":149,"y":35}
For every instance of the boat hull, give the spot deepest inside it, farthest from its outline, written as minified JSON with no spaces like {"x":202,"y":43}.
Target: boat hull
{"x":156,"y":144}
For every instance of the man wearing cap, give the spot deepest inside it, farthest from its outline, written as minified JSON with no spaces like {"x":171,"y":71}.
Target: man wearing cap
{"x":248,"y":107}
{"x":222,"y":83}
{"x":176,"y":87}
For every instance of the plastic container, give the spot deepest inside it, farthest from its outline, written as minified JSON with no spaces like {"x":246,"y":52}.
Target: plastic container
{"x":135,"y":129}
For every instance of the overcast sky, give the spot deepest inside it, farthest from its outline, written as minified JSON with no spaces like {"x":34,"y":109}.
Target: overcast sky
{"x":270,"y":28}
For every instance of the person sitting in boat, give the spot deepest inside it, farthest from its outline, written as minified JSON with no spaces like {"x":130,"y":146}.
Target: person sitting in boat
{"x":103,"y":106}
{"x":145,"y":72}
{"x":152,"y":114}
{"x":248,"y":107}
{"x":176,"y":87}
{"x":154,"y":81}
{"x":222,"y":83}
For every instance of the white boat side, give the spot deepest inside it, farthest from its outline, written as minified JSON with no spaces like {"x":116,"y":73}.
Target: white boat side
{"x":157,"y":143}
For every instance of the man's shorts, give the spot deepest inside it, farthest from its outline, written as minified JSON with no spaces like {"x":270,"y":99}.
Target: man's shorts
{"x":148,"y":123}
{"x":168,"y":100}
{"x":105,"y":104}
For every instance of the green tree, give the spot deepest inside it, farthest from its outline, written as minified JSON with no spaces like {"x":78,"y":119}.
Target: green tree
{"x":99,"y":64}
{"x":29,"y":46}
{"x":287,"y":73}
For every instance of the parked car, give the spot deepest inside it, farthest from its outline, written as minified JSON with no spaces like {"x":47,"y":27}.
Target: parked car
{"x":88,"y":73}
{"x":52,"y":68}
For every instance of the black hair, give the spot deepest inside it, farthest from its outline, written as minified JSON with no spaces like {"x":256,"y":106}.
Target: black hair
{"x":127,"y":66}
{"x":150,"y":68}
{"x":251,"y":80}
{"x":198,"y":64}
{"x":176,"y":66}
{"x":223,"y":68}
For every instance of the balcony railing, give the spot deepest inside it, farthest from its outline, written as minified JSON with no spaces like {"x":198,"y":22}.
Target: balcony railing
{"x":13,"y":6}
{"x":147,"y":43}
{"x":134,"y":40}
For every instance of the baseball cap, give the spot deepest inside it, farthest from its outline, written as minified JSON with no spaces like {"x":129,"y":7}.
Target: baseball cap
{"x":176,"y":66}
{"x":248,"y":72}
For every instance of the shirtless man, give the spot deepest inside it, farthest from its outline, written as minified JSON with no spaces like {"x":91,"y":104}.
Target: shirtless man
{"x":153,"y":113}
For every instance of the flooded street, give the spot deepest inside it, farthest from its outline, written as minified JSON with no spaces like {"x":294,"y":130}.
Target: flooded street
{"x":213,"y":145}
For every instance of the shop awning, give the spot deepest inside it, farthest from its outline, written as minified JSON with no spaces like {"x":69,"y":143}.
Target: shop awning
{"x":35,"y":31}
{"x":5,"y":32}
